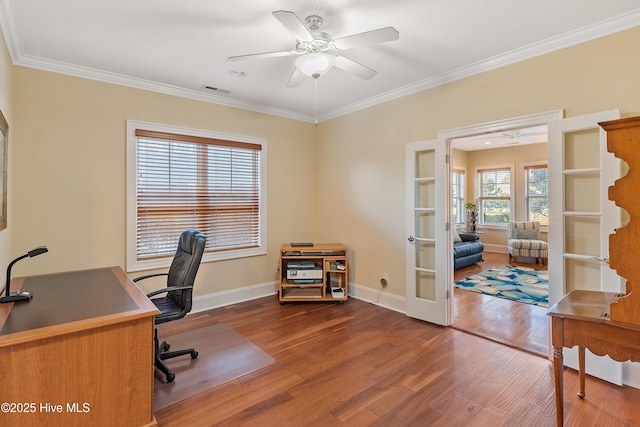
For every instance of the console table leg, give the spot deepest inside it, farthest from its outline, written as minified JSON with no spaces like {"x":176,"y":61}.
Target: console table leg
{"x":581,"y":394}
{"x":558,"y":368}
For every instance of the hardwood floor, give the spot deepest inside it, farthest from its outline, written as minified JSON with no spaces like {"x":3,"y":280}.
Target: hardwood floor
{"x":357,"y":364}
{"x":519,"y":325}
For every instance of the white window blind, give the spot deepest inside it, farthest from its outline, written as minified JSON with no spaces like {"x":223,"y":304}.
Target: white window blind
{"x":495,"y":195}
{"x":537,"y":193}
{"x":457,"y":195}
{"x":192,"y":182}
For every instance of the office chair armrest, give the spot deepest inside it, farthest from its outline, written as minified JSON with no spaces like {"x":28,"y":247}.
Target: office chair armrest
{"x":137,"y":279}
{"x":172,"y":288}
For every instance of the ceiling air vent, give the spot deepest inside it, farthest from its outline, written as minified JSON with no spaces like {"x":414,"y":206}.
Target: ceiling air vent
{"x":215,"y":89}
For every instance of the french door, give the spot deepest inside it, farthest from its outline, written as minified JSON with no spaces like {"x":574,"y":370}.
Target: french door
{"x":428,"y":250}
{"x":581,"y":219}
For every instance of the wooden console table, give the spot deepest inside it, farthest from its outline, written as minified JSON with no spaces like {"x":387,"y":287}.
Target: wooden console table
{"x":79,"y":353}
{"x":583,"y":318}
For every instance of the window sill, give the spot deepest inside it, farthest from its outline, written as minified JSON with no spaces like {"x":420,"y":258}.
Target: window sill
{"x":491,"y":226}
{"x":207,"y":257}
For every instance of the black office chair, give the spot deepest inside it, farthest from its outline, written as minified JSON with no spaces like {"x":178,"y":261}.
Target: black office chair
{"x":177,"y":301}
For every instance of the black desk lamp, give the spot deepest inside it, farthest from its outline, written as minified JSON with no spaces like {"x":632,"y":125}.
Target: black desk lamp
{"x":22,"y":295}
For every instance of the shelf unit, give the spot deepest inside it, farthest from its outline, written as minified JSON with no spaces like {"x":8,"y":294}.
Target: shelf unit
{"x":313,"y":273}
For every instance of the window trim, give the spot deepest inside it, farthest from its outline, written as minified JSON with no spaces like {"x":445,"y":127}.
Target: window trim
{"x":486,"y":168}
{"x":133,"y":264}
{"x":525,"y":190}
{"x":460,"y":170}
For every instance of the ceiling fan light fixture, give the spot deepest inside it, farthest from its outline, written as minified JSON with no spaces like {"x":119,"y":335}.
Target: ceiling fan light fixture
{"x":314,"y":64}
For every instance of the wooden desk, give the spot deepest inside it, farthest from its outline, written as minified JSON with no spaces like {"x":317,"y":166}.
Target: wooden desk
{"x":79,"y":353}
{"x":583,"y":318}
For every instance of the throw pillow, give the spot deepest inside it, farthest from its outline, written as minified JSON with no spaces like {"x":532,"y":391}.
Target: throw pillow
{"x":526,"y":233}
{"x":456,"y":237}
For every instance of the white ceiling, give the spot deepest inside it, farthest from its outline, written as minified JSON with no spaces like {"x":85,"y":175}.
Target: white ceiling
{"x":502,"y":139}
{"x":178,"y":47}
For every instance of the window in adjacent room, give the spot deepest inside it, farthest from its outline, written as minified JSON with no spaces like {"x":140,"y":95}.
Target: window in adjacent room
{"x":457,"y":190}
{"x":180,"y":179}
{"x":537,"y":193}
{"x":494,"y":187}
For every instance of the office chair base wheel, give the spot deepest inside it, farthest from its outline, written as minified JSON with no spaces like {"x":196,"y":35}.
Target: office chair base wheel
{"x":170,"y":377}
{"x":194,"y":354}
{"x":163,"y":346}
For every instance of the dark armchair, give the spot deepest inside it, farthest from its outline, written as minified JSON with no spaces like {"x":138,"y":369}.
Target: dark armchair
{"x":176,"y":302}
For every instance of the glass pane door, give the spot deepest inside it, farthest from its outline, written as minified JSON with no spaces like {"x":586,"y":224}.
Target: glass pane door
{"x":426,"y":231}
{"x":582,"y":217}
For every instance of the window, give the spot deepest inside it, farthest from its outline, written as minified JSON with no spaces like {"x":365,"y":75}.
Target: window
{"x":181,"y":179}
{"x":537,"y":193}
{"x":457,"y":184}
{"x":495,"y":195}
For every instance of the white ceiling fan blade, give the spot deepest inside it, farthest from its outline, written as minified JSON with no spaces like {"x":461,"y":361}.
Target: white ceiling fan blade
{"x":296,"y":78}
{"x":380,"y":35}
{"x":293,"y":24}
{"x":354,"y":67}
{"x":263,"y":55}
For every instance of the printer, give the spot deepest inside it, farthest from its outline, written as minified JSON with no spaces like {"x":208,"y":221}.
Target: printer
{"x":304,"y":272}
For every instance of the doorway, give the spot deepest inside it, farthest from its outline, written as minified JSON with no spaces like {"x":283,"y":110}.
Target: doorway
{"x":513,"y":145}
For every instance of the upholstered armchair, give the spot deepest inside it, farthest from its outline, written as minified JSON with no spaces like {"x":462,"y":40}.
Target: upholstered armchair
{"x":523,"y":240}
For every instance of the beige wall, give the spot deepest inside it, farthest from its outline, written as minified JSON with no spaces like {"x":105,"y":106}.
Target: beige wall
{"x":68,"y":177}
{"x":365,"y":183}
{"x":6,"y":101}
{"x":69,"y":173}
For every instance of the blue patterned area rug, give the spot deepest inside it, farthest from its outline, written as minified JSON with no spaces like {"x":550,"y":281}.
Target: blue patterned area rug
{"x":521,"y":284}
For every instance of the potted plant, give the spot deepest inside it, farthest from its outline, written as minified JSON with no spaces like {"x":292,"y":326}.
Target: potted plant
{"x":472,"y":215}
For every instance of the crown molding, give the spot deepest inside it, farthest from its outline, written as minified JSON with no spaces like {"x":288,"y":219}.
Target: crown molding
{"x":571,"y":38}
{"x":133,"y":82}
{"x":600,"y":29}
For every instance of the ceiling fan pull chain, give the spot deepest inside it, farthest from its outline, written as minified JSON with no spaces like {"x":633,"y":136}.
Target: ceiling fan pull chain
{"x":316,"y":85}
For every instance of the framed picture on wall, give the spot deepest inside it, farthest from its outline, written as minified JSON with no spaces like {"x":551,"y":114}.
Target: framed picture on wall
{"x":4,"y":143}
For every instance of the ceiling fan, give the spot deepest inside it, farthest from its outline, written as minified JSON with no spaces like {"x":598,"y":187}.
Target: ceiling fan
{"x":516,"y":137}
{"x":318,"y":52}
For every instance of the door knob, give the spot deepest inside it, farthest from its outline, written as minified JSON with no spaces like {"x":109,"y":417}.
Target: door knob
{"x":411,"y":239}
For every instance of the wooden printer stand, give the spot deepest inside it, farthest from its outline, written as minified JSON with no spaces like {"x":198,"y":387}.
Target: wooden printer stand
{"x":318,"y":272}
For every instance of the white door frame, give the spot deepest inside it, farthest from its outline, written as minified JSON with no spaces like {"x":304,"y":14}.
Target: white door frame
{"x":597,"y":364}
{"x":530,"y":120}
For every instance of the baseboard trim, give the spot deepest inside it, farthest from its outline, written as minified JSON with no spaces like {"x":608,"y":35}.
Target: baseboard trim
{"x":233,"y":296}
{"x":495,"y":248}
{"x":631,"y":374}
{"x":247,"y":293}
{"x":378,"y":297}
